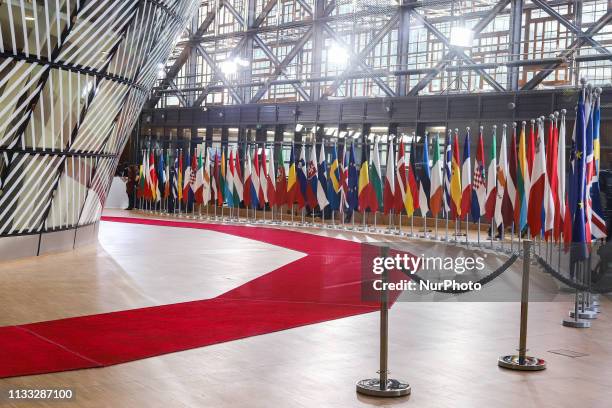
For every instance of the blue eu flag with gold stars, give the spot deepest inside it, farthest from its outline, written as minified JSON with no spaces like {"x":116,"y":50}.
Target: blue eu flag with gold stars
{"x":578,"y":185}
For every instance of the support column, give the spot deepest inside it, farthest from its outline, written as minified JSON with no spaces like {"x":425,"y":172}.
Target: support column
{"x":191,"y":67}
{"x":578,"y":24}
{"x":516,"y":20}
{"x":402,"y":51}
{"x":317,"y":49}
{"x":247,"y":54}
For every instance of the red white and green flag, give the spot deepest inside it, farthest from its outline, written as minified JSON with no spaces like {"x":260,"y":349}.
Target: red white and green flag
{"x":436,"y":191}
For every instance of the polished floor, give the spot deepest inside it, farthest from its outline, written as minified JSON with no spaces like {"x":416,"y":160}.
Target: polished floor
{"x":447,"y":351}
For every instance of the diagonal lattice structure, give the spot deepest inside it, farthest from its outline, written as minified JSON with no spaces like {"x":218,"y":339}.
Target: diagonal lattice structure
{"x":388,"y":48}
{"x":74,"y":75}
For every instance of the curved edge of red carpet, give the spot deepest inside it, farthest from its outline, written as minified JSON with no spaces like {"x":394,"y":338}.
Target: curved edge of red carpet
{"x":324,"y":285}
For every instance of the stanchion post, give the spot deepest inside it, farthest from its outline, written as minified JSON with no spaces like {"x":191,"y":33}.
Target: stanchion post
{"x":522,"y":361}
{"x":383,"y":386}
{"x":574,"y":320}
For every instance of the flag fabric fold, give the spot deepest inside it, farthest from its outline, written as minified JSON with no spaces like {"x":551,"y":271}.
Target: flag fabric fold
{"x":437,"y":191}
{"x":389,"y":190}
{"x":502,"y":180}
{"x":353,"y":181}
{"x":302,"y":177}
{"x":322,"y":179}
{"x":311,"y":177}
{"x":466,"y":176}
{"x":334,"y":182}
{"x":281,"y":181}
{"x":412,"y":188}
{"x":376,"y":201}
{"x":523,"y":181}
{"x":364,"y":180}
{"x":455,"y":185}
{"x":424,"y":179}
{"x":492,"y":178}
{"x":271,"y":179}
{"x":537,"y":184}
{"x":479,"y":190}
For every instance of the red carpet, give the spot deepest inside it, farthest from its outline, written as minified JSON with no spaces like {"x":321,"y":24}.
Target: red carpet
{"x":323,"y":285}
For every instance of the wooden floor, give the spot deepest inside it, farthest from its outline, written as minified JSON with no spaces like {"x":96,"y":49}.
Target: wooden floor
{"x":447,"y":351}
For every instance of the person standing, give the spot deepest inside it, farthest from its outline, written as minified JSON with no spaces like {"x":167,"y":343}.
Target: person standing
{"x":130,"y":184}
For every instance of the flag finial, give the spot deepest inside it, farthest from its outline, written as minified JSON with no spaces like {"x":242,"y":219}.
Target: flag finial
{"x":563,"y":112}
{"x":495,"y":126}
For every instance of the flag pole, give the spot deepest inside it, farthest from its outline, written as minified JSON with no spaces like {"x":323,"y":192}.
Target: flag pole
{"x":425,"y":226}
{"x":478,"y":231}
{"x":467,"y":228}
{"x":446,"y":216}
{"x":411,"y":225}
{"x":457,"y":222}
{"x":436,"y":227}
{"x":399,"y":223}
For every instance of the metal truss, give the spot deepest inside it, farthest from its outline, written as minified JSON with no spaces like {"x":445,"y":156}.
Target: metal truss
{"x":411,"y":39}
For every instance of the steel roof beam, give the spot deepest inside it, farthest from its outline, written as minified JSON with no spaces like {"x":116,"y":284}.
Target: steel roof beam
{"x":218,"y":72}
{"x":358,"y":58}
{"x":283,"y":64}
{"x":567,"y":53}
{"x":446,"y":60}
{"x":382,"y":84}
{"x":578,"y":32}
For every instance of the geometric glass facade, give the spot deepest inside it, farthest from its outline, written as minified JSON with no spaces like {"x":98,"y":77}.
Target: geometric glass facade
{"x":74,"y":75}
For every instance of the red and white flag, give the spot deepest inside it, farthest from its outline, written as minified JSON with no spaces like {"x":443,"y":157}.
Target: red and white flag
{"x":538,"y":184}
{"x":502,"y":177}
{"x":551,"y":203}
{"x":560,"y":212}
{"x":263,"y":178}
{"x":479,"y":185}
{"x":492,"y":178}
{"x":270,"y":178}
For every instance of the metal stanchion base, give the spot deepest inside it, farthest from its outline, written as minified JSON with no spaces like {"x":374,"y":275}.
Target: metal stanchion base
{"x":578,"y":324}
{"x":594,"y":309}
{"x":529,"y":363}
{"x":394,"y":388}
{"x":584,"y":314}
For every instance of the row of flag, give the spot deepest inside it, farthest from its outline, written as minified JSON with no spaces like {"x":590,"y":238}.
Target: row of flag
{"x":523,"y":186}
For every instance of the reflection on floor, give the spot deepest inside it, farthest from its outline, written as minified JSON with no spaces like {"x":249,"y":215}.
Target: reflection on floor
{"x":447,"y":351}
